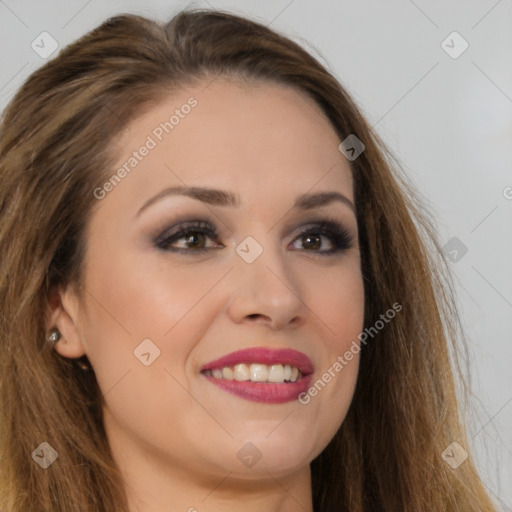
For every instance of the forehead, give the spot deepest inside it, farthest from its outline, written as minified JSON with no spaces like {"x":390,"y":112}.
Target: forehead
{"x":259,"y":138}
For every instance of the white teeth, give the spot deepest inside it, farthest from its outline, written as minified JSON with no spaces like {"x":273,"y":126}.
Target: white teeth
{"x":227,"y":373}
{"x":241,"y":372}
{"x":276,"y":373}
{"x":256,"y":372}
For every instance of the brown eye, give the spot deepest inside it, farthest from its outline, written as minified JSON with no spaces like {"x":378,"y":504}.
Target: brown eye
{"x":194,"y":239}
{"x":312,"y":241}
{"x":312,"y":237}
{"x":194,"y":234}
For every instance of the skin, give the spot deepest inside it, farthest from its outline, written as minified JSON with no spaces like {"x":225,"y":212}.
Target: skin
{"x":175,"y":435}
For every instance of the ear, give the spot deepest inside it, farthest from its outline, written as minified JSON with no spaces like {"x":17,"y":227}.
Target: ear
{"x":63,"y":312}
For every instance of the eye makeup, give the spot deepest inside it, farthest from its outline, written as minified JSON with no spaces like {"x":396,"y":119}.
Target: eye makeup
{"x":196,"y":231}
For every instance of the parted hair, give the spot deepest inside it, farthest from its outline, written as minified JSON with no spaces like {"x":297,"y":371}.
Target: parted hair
{"x":57,"y":144}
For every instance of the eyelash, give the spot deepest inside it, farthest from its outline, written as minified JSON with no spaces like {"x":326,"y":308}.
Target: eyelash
{"x":339,"y":236}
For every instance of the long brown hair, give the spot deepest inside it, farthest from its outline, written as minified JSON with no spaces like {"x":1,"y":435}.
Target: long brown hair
{"x":56,"y":146}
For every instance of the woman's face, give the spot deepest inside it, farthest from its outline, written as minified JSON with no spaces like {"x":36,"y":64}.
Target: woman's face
{"x":159,"y":306}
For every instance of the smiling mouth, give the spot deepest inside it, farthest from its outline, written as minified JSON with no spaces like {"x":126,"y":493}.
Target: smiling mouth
{"x":257,"y":372}
{"x":261,"y":374}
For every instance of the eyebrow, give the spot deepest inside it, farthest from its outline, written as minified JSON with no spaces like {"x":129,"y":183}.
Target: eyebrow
{"x":224,"y":198}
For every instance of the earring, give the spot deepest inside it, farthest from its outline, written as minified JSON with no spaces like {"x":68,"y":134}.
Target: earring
{"x":54,"y":335}
{"x":83,"y":366}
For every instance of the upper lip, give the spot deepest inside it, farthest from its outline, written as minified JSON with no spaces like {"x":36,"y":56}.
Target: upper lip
{"x":264,"y":355}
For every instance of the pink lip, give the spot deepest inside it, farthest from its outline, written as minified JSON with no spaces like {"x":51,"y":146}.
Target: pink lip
{"x":264,"y":356}
{"x":265,"y":392}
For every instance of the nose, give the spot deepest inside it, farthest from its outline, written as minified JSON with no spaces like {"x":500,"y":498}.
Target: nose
{"x":266,"y":292}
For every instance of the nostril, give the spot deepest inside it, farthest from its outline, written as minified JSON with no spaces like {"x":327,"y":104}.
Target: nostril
{"x":258,"y":317}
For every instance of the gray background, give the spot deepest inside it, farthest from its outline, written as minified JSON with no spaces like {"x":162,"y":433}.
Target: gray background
{"x":449,"y":121}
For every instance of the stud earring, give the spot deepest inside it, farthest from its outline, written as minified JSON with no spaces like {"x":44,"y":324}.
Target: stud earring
{"x":54,"y":336}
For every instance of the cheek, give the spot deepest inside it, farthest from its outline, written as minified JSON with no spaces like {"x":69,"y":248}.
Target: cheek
{"x":148,"y":298}
{"x":338,"y":305}
{"x":128,"y":305}
{"x":135,"y":301}
{"x":336,"y":299}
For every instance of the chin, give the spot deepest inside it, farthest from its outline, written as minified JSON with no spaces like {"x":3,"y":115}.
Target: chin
{"x":280,"y":453}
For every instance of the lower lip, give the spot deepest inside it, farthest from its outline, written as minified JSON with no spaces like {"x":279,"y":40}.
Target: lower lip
{"x":264,"y":392}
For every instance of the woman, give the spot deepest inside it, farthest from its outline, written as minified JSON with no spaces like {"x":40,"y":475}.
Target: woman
{"x":216,"y":291}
